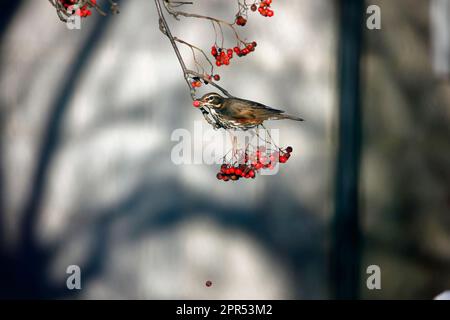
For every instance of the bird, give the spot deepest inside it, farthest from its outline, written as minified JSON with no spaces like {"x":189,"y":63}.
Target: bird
{"x":240,"y":114}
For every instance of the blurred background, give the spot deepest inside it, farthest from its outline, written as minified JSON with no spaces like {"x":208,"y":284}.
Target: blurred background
{"x":86,"y":176}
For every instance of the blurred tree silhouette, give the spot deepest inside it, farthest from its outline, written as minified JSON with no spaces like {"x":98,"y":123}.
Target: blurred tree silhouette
{"x":345,"y":248}
{"x":406,"y":151}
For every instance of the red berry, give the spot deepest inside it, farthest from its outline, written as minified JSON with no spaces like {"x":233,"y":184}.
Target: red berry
{"x":196,"y":84}
{"x":241,"y":21}
{"x":196,"y":103}
{"x":283,"y":159}
{"x":216,"y":77}
{"x":219,"y":176}
{"x":253,"y":7}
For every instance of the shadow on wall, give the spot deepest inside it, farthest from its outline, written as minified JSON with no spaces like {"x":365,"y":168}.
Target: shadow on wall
{"x":27,"y":267}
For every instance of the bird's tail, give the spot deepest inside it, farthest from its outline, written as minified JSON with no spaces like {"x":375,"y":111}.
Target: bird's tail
{"x":287,"y":116}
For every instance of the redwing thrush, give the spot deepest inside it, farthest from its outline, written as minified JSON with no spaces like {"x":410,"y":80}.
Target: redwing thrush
{"x":235,"y":113}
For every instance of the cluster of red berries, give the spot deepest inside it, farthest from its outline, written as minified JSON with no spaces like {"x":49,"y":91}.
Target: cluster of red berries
{"x":264,"y":8}
{"x":223,"y":55}
{"x":249,"y":47}
{"x":261,"y":159}
{"x":83,"y":11}
{"x":234,"y":173}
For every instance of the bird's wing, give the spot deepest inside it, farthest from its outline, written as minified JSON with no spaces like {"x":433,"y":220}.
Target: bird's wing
{"x":246,"y":109}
